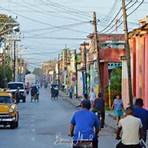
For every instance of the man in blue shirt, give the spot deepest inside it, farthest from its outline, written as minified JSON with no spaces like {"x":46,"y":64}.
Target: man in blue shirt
{"x":84,"y":126}
{"x":141,"y":113}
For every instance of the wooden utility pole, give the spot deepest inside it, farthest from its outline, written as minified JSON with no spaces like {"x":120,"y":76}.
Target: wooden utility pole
{"x":127,"y":48}
{"x":58,"y":69}
{"x":97,"y":51}
{"x":4,"y":66}
{"x":76,"y":75}
{"x":85,"y":66}
{"x":14,"y":62}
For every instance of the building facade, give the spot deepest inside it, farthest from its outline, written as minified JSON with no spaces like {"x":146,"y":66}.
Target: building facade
{"x":138,"y":39}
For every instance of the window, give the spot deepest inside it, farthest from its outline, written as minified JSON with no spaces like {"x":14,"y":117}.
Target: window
{"x":5,"y":99}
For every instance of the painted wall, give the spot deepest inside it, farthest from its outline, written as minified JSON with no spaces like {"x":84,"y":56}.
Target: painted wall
{"x":139,"y":65}
{"x":80,"y":84}
{"x":93,"y":78}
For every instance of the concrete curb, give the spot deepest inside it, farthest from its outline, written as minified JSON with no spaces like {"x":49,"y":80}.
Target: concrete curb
{"x":74,"y":101}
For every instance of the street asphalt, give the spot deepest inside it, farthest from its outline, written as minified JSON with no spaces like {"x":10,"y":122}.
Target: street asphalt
{"x":45,"y":125}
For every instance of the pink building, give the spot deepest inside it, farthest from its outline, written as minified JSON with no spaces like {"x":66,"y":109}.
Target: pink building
{"x":138,"y":39}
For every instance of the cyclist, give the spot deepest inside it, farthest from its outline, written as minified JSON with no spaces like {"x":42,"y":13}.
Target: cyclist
{"x":84,"y":127}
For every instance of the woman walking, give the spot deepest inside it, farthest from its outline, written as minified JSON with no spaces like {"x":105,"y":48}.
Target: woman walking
{"x":118,"y":107}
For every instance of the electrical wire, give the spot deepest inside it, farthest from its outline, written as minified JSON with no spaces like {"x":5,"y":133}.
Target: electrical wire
{"x":39,"y":53}
{"x":54,"y":38}
{"x":38,"y":21}
{"x":48,"y":28}
{"x":128,"y":15}
{"x":136,"y":8}
{"x":42,"y":11}
{"x":110,"y":13}
{"x":70,"y":10}
{"x":106,"y":28}
{"x":109,"y":26}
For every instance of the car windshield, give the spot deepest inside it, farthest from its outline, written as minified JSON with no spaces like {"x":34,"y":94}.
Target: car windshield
{"x":5,"y":99}
{"x":15,"y":86}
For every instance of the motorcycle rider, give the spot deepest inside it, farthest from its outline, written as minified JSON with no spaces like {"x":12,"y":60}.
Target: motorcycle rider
{"x":34,"y":93}
{"x":17,"y":95}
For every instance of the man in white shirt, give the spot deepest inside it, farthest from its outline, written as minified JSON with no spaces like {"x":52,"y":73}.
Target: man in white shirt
{"x":131,"y":128}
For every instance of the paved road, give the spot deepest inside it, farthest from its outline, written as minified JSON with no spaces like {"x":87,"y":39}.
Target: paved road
{"x":44,"y":124}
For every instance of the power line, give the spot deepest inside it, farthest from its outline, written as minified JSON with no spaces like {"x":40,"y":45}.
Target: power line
{"x":39,"y":53}
{"x":136,"y":8}
{"x":42,"y":10}
{"x":106,"y":28}
{"x":109,"y":27}
{"x":38,"y":21}
{"x":71,"y":10}
{"x":53,"y":38}
{"x":110,"y":13}
{"x":48,"y":28}
{"x":129,"y":15}
{"x":56,"y":6}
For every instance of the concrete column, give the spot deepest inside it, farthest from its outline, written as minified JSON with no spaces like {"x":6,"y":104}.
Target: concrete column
{"x":125,"y":88}
{"x":146,"y":73}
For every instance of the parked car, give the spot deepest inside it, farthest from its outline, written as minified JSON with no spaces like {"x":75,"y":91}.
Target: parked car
{"x":9,"y":114}
{"x":14,"y":86}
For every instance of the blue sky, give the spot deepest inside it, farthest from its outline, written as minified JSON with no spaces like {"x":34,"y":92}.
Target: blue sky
{"x":47,"y":26}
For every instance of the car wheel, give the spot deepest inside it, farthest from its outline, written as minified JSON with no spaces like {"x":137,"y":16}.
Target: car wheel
{"x":14,"y":125}
{"x":24,"y":100}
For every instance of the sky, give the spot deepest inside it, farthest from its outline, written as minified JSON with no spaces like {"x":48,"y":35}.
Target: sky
{"x":48,"y":26}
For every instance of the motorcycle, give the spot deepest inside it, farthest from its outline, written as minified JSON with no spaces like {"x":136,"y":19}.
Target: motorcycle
{"x":34,"y":94}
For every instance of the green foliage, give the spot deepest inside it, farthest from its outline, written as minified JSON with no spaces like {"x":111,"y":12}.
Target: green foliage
{"x":37,"y":71}
{"x":8,"y":73}
{"x":116,"y":77}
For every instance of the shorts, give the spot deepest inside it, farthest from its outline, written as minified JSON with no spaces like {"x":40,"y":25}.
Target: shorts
{"x":118,"y":113}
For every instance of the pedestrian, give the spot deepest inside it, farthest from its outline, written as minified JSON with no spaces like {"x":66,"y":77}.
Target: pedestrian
{"x":85,"y":97}
{"x":17,"y":95}
{"x":141,"y":113}
{"x":70,"y":92}
{"x":92,"y":96}
{"x":84,"y":127}
{"x":131,"y":128}
{"x":99,"y":107}
{"x":118,"y":107}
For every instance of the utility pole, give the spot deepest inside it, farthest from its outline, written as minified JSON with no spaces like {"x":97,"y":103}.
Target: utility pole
{"x":58,"y":69}
{"x":85,"y":66}
{"x":127,"y":48}
{"x":14,"y":62}
{"x":76,"y":75}
{"x":97,"y":51}
{"x":4,"y":66}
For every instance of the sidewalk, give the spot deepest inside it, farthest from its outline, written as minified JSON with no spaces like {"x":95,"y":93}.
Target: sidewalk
{"x":109,"y":120}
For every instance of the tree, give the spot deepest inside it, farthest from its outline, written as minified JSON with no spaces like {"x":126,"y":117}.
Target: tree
{"x":8,"y":72}
{"x":37,"y":71}
{"x":116,"y":77}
